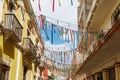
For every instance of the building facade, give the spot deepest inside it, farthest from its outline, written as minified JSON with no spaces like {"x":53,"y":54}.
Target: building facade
{"x":19,"y":41}
{"x":99,"y":23}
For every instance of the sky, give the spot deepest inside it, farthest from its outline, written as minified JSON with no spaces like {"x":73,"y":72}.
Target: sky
{"x":66,"y":12}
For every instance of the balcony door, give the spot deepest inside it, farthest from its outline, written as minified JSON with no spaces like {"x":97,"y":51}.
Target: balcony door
{"x":99,"y":76}
{"x":111,"y":73}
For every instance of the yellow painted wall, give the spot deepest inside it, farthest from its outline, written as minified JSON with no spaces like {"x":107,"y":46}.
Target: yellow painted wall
{"x":14,"y":66}
{"x":10,"y":52}
{"x":21,"y":68}
{"x":1,"y":44}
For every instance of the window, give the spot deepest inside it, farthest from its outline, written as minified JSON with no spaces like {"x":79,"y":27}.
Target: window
{"x":28,"y":33}
{"x":4,"y":72}
{"x":93,"y":77}
{"x":99,"y":76}
{"x":116,"y":15}
{"x":25,"y":73}
{"x":111,"y":73}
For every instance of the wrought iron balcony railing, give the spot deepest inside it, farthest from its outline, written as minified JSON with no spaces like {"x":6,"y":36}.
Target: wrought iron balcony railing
{"x":29,"y":46}
{"x":12,"y":24}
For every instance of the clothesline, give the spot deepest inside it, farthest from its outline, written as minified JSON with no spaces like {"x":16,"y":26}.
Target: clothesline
{"x":69,"y":23}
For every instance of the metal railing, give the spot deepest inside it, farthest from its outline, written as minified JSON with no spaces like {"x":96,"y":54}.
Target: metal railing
{"x":12,"y":23}
{"x":28,"y":44}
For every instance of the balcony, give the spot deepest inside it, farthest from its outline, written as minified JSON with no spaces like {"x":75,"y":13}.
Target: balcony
{"x":29,"y":48}
{"x":104,"y":50}
{"x":101,"y":8}
{"x":13,"y":28}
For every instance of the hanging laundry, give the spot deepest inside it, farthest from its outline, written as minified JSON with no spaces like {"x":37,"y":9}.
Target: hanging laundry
{"x":39,"y":5}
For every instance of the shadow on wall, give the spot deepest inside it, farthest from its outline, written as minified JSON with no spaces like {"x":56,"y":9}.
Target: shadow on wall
{"x":8,"y":48}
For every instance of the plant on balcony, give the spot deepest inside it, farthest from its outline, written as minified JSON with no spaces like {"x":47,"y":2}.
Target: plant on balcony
{"x":12,"y":5}
{"x":100,"y":36}
{"x":33,"y":49}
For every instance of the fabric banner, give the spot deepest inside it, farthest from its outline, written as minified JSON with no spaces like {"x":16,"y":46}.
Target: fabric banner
{"x":53,"y":5}
{"x":39,"y":5}
{"x":59,"y":2}
{"x":71,"y":2}
{"x":71,"y":35}
{"x":41,"y":22}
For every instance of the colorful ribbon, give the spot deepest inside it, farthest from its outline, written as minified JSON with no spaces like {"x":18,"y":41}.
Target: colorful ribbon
{"x":39,"y":5}
{"x":71,"y":2}
{"x":59,"y":2}
{"x":53,"y":4}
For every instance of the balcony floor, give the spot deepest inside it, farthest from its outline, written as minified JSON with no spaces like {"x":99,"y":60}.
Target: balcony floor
{"x":101,"y":12}
{"x":11,"y":35}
